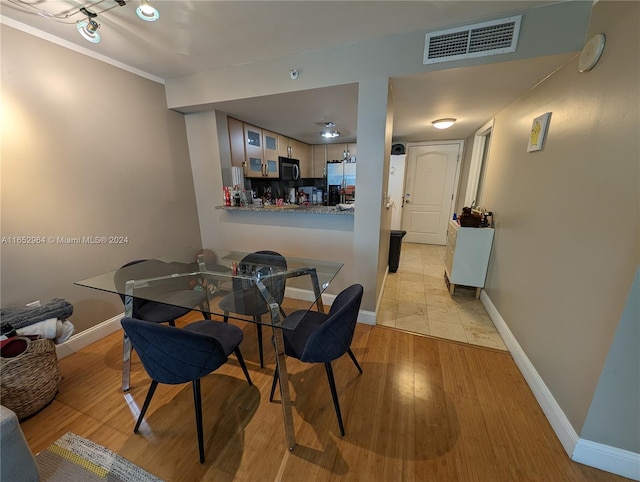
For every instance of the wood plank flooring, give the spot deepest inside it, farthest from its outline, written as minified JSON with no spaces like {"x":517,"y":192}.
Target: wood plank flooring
{"x":424,"y":409}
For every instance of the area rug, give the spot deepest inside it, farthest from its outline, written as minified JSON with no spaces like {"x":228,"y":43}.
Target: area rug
{"x":75,"y":459}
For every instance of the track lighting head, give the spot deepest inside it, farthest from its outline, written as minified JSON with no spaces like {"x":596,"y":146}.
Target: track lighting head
{"x":88,"y":28}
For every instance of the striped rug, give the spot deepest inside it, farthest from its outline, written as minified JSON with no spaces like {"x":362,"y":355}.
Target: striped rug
{"x":72,"y":458}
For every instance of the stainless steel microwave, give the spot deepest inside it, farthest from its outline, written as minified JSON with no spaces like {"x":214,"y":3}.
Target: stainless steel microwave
{"x":289,"y":169}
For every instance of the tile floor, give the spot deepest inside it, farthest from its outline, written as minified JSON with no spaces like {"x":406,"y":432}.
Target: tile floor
{"x":416,"y":299}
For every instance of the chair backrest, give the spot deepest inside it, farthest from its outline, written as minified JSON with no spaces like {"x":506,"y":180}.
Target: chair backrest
{"x":143,"y":269}
{"x":332,"y":339}
{"x":265,"y":263}
{"x":171,"y":355}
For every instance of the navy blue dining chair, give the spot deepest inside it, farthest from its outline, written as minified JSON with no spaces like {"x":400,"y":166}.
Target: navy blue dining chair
{"x":178,"y":298}
{"x":246,"y":299}
{"x":173,"y":356}
{"x":324,"y":337}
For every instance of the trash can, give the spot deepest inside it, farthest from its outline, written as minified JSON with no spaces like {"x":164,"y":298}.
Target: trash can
{"x":394,"y":249}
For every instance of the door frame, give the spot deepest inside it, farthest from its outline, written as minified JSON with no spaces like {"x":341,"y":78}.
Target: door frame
{"x":456,"y":180}
{"x":477,"y":158}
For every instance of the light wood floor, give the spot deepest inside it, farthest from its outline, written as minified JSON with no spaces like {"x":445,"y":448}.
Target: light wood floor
{"x":424,"y":409}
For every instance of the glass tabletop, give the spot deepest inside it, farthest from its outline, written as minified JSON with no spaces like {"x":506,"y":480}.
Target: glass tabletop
{"x":223,"y":283}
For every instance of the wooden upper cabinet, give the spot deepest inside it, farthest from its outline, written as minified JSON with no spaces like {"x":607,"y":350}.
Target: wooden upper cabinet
{"x":236,"y":141}
{"x":319,"y":160}
{"x":283,"y":146}
{"x":306,"y":160}
{"x":336,"y":152}
{"x":254,"y":155}
{"x":270,"y":151}
{"x":253,"y":141}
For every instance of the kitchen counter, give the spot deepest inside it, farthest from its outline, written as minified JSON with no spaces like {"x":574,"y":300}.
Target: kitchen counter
{"x":291,"y":208}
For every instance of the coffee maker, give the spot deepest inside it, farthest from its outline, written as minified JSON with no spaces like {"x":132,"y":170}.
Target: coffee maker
{"x":333,"y":195}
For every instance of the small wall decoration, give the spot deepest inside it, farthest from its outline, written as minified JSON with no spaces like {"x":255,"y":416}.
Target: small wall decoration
{"x":538,"y":132}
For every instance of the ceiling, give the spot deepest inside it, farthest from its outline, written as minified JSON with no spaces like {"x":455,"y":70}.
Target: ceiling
{"x":194,"y":36}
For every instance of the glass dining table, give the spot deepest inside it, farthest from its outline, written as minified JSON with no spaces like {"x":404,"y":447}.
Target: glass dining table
{"x":201,"y":279}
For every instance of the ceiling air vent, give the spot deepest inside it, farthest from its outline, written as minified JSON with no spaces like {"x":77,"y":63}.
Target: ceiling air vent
{"x":487,"y":38}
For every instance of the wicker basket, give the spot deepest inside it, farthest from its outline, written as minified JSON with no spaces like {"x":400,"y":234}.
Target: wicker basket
{"x":30,"y":380}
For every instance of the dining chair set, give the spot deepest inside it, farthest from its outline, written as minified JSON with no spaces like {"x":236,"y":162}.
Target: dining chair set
{"x":172,"y":355}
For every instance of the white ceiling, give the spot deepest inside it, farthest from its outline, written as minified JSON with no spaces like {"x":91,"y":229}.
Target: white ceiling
{"x":194,"y":36}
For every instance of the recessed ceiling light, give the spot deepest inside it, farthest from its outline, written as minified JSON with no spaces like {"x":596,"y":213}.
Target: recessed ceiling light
{"x":146,"y":12}
{"x":443,"y":123}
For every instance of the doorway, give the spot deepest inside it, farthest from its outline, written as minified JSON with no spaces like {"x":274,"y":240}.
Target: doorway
{"x":432,"y":176}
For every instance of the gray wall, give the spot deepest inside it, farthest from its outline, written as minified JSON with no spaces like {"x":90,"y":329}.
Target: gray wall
{"x":567,"y":245}
{"x":87,"y":150}
{"x":614,"y":416}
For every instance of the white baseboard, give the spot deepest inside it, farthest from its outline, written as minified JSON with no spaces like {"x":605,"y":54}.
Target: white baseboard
{"x":88,"y":336}
{"x":603,"y":457}
{"x":611,"y":459}
{"x":559,"y":421}
{"x":366,"y":317}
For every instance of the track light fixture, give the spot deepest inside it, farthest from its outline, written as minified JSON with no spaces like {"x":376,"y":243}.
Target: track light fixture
{"x":88,"y":27}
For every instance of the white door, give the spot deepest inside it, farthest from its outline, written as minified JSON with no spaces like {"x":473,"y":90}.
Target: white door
{"x":429,"y":194}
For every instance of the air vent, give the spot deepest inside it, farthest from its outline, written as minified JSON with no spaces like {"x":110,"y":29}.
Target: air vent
{"x":487,"y":38}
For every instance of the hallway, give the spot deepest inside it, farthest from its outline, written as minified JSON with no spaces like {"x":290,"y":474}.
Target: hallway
{"x":416,"y":299}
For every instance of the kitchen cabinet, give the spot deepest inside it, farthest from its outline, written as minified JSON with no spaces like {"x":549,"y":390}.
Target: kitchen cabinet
{"x":467,"y":256}
{"x":294,"y":149}
{"x":236,"y":141}
{"x":253,"y":151}
{"x":261,"y":154}
{"x":270,"y":154}
{"x":286,"y":146}
{"x":336,"y":152}
{"x":306,"y":160}
{"x":319,"y":158}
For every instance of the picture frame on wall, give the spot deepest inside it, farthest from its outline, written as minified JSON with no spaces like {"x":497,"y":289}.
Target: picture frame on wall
{"x":538,"y":132}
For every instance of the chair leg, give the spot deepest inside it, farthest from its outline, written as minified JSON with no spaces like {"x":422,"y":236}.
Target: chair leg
{"x":147,"y":401}
{"x":334,"y":395}
{"x":242,"y":365}
{"x":258,"y":320}
{"x":353,"y":358}
{"x":226,"y":317}
{"x":274,"y":384}
{"x":172,"y":323}
{"x":197,"y":400}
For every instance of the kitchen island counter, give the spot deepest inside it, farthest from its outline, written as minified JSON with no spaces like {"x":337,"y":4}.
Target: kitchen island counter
{"x":290,"y":208}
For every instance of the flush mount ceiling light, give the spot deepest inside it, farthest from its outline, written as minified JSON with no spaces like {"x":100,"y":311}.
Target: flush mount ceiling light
{"x":329,"y":131}
{"x":443,"y":123}
{"x":146,"y":12}
{"x":89,"y":26}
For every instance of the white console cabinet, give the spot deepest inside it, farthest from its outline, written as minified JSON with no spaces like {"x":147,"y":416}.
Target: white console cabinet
{"x":467,"y":256}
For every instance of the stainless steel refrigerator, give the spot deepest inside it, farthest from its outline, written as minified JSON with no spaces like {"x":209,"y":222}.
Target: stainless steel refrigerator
{"x":341,"y":182}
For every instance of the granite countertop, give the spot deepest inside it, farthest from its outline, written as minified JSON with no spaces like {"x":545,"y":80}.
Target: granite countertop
{"x":290,"y":208}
